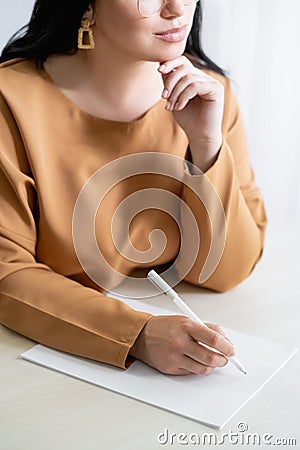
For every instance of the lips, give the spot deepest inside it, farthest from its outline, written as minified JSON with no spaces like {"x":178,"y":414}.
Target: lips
{"x":173,"y":35}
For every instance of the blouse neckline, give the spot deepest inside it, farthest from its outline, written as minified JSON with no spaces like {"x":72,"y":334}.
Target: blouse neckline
{"x":92,"y":117}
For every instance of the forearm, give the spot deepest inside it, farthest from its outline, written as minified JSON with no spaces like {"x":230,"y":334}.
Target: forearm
{"x":205,"y":153}
{"x":241,"y":230}
{"x":65,"y":315}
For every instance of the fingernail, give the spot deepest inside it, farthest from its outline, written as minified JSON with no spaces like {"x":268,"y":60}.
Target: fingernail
{"x":165,"y":93}
{"x":162,"y":68}
{"x":168,"y":107}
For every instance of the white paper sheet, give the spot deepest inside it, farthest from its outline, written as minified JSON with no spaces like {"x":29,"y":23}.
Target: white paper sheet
{"x":212,"y":400}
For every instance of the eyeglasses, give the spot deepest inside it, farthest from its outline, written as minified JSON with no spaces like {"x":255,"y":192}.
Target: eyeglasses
{"x":148,"y":8}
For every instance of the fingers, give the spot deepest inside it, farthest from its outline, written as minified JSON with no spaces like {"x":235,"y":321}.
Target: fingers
{"x":193,"y":367}
{"x":210,"y":337}
{"x":171,"y":345}
{"x":182,"y":364}
{"x":205,"y":356}
{"x":183,"y":81}
{"x":191,"y":356}
{"x":188,"y":88}
{"x":218,"y":329}
{"x":168,"y":66}
{"x":181,"y":371}
{"x":173,"y":77}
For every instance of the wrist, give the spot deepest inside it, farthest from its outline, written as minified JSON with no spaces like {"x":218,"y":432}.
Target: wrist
{"x":204,"y":153}
{"x":138,"y":347}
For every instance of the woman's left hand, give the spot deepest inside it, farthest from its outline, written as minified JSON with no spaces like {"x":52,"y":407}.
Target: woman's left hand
{"x":197,"y":101}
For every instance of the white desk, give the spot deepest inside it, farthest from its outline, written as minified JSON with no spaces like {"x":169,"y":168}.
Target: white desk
{"x":44,"y":410}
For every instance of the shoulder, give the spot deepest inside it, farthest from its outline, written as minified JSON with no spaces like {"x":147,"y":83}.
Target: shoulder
{"x":17,"y":66}
{"x":23,"y":94}
{"x":17,"y":72}
{"x":23,"y":88}
{"x":17,"y":80}
{"x":20,"y":79}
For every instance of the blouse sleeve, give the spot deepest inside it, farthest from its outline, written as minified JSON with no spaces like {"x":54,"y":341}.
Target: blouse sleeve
{"x":229,"y":183}
{"x":34,"y":300}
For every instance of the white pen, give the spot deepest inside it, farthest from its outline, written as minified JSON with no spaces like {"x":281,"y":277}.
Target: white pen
{"x":167,"y":290}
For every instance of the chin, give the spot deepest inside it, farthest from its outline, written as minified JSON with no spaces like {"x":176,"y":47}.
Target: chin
{"x":174,"y":51}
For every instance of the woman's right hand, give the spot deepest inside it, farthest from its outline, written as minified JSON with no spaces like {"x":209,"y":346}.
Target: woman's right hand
{"x":172,"y":345}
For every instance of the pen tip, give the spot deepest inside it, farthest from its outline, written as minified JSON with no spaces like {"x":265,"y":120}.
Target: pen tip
{"x":244,"y":371}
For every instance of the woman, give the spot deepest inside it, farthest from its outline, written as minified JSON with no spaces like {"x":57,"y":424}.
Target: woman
{"x":95,"y":83}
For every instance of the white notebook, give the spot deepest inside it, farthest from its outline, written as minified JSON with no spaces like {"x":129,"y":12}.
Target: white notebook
{"x":212,"y":400}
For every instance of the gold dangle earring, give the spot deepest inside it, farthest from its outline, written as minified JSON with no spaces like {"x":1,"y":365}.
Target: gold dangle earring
{"x":85,"y":35}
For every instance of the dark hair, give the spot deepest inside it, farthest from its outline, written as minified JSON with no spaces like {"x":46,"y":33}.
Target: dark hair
{"x":194,"y":44}
{"x":53,"y":29}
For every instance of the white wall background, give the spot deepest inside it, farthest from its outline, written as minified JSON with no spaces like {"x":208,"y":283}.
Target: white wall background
{"x":258,"y":42}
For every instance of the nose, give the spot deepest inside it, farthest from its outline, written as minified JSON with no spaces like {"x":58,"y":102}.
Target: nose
{"x":172,"y":8}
